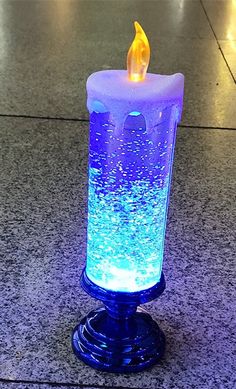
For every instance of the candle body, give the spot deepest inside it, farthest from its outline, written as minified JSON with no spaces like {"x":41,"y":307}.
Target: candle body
{"x":129,"y":180}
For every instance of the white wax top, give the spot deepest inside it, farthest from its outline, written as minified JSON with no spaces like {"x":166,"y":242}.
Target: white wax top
{"x":112,"y":91}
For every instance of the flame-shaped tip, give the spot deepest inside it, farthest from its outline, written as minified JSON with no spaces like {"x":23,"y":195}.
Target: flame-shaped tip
{"x":138,"y":55}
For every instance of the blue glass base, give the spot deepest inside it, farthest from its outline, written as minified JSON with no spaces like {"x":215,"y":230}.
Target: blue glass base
{"x":118,"y":346}
{"x":118,"y":337}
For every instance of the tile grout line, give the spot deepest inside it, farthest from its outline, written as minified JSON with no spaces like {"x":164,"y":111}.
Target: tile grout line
{"x":87,"y":121}
{"x":208,"y":19}
{"x":207,"y":127}
{"x":6,"y":115}
{"x":63,"y":384}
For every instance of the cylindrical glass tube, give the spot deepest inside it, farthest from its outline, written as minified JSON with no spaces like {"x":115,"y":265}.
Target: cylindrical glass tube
{"x":129,"y":182}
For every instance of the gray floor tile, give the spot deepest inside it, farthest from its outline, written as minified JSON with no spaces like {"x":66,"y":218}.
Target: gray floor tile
{"x":12,"y":385}
{"x":44,"y":179}
{"x":229,"y":49}
{"x":50,"y":48}
{"x":214,"y":105}
{"x":222,"y":15}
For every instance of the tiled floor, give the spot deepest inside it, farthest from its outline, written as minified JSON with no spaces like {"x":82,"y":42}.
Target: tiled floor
{"x":48,"y":48}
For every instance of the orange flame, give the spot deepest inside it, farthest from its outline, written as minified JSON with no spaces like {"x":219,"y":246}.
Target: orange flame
{"x":138,"y":55}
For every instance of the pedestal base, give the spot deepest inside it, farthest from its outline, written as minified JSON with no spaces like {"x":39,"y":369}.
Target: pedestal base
{"x":118,"y":338}
{"x":119,"y":346}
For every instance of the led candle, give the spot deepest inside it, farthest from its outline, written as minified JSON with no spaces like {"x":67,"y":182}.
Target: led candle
{"x":132,"y":135}
{"x":133,"y":122}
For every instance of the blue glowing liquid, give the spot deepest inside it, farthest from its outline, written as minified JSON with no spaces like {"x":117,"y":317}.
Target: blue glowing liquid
{"x":129,"y":177}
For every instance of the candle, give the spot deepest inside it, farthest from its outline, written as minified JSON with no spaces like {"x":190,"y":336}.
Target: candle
{"x":133,"y":121}
{"x":132,"y":135}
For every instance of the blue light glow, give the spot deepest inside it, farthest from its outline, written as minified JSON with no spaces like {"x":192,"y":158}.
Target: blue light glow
{"x":129,"y":177}
{"x":134,"y":113}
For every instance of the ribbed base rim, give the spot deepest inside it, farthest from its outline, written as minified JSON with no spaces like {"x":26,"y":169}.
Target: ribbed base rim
{"x":119,"y":346}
